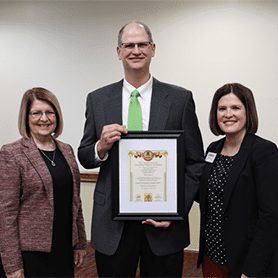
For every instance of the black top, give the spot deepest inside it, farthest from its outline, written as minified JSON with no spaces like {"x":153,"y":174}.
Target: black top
{"x":59,"y":262}
{"x":63,"y":192}
{"x":215,"y":247}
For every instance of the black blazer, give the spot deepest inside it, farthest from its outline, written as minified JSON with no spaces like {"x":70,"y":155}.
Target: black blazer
{"x":250,"y":208}
{"x":172,"y":108}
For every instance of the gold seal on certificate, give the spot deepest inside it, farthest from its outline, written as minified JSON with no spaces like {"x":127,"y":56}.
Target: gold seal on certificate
{"x":148,"y":175}
{"x":148,"y":197}
{"x":148,"y":155}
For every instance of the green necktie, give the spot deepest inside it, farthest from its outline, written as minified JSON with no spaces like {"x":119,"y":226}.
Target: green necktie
{"x":134,"y":121}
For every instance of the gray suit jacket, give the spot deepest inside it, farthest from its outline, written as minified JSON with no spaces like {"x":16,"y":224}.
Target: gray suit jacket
{"x":172,"y":108}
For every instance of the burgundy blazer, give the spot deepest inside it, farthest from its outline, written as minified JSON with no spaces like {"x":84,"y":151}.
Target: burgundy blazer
{"x":26,"y":202}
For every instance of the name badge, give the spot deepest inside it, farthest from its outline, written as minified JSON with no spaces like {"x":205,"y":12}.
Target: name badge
{"x":210,"y":157}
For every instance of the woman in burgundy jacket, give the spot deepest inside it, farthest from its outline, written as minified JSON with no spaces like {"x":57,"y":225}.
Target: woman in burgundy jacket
{"x":41,"y":223}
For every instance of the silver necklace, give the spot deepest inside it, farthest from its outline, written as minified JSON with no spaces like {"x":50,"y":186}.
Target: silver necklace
{"x":51,"y":160}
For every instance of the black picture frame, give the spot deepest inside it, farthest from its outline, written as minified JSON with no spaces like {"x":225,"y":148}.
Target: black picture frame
{"x":172,"y":144}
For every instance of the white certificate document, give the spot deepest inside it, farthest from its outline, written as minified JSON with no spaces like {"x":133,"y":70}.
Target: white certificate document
{"x":148,"y":176}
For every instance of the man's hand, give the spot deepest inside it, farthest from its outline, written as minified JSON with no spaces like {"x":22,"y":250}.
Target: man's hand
{"x":109,"y":135}
{"x":157,"y":224}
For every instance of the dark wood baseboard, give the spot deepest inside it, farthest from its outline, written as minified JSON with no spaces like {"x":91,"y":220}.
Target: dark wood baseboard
{"x":89,"y":177}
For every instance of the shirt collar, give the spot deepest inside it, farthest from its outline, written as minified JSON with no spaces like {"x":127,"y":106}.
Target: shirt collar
{"x":142,"y":89}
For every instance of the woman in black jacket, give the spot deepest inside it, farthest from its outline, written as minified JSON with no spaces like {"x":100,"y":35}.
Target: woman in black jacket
{"x":238,"y":192}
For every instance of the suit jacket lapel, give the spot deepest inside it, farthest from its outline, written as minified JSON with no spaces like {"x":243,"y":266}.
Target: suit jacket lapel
{"x":113,"y":105}
{"x":33,"y":155}
{"x":160,"y":107}
{"x":159,"y":112}
{"x":237,"y":167}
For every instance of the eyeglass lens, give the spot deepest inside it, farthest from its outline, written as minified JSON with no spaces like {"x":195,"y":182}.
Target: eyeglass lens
{"x":131,"y":45}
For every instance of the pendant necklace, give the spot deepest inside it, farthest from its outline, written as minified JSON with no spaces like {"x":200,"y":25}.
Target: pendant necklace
{"x":51,"y":160}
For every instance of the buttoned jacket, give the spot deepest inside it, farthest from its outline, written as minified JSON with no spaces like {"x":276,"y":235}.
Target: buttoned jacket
{"x":26,"y":202}
{"x":172,"y":108}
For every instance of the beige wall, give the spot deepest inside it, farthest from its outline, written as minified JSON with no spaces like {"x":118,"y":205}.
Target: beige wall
{"x":69,"y":48}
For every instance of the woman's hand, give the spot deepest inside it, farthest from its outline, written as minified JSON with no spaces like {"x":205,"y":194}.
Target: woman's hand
{"x":79,"y":257}
{"x":17,"y":274}
{"x":157,"y":224}
{"x":243,"y":276}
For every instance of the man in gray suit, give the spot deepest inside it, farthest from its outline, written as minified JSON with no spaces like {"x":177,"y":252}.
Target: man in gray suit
{"x":120,"y":244}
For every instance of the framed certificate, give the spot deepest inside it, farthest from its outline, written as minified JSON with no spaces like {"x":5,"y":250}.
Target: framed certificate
{"x":149,"y":176}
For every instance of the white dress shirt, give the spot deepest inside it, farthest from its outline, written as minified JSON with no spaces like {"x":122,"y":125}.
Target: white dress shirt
{"x":145,"y":96}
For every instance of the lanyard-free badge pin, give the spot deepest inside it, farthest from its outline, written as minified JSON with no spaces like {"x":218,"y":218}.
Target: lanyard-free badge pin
{"x":210,"y":157}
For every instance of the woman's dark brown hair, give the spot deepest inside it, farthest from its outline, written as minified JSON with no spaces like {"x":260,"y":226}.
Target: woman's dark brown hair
{"x":246,"y":97}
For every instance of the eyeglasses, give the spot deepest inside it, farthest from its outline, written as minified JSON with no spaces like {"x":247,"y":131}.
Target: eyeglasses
{"x":131,"y":45}
{"x":38,"y":114}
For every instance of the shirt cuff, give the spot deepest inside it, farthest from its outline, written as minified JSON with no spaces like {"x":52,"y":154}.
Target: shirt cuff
{"x":97,"y":158}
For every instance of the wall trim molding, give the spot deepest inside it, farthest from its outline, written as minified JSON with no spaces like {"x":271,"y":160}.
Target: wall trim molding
{"x":88,"y":177}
